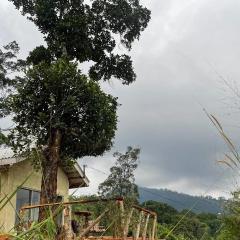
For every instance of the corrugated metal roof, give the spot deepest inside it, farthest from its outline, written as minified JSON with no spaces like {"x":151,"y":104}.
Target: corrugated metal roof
{"x":76,"y":176}
{"x":6,"y":153}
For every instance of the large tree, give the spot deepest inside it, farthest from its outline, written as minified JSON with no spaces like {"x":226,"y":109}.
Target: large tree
{"x":63,"y":109}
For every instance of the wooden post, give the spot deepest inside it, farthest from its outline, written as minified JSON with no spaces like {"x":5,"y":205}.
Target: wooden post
{"x":66,"y":231}
{"x":150,"y":234}
{"x":139,"y":225}
{"x":126,"y":227}
{"x":86,"y":221}
{"x":144,"y":234}
{"x":97,"y":220}
{"x":121,"y":213}
{"x":67,"y":222}
{"x":154,"y":227}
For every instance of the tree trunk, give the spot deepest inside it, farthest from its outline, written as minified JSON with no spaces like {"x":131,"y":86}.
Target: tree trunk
{"x":49,"y":172}
{"x":127,"y":223}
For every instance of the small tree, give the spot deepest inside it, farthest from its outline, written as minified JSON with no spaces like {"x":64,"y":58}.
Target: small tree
{"x":121,"y":181}
{"x":8,"y":64}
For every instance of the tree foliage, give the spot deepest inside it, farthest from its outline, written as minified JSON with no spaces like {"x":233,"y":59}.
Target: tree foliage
{"x":231,"y":219}
{"x":121,"y":181}
{"x":213,"y":221}
{"x":165,"y":213}
{"x":88,"y":31}
{"x":60,"y":97}
{"x":191,"y":227}
{"x":9,"y":65}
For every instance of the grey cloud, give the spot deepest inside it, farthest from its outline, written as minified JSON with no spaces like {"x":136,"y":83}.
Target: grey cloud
{"x":16,"y":27}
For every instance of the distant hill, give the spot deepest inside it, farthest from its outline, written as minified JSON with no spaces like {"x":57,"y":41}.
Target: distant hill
{"x":182,"y":201}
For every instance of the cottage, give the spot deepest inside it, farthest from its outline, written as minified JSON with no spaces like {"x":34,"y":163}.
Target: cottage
{"x":14,"y":171}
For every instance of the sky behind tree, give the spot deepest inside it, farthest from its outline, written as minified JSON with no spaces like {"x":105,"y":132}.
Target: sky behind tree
{"x":180,"y":62}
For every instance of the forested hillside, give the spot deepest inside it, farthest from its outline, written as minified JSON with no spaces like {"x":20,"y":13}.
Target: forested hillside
{"x":187,"y":225}
{"x":182,"y":201}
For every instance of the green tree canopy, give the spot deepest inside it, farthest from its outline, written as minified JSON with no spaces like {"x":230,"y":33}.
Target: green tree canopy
{"x":64,"y":115}
{"x":231,"y":219}
{"x":60,"y":97}
{"x":87,"y":31}
{"x":165,"y":213}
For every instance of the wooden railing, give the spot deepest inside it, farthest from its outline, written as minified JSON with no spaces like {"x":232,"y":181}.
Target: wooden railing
{"x":142,"y":226}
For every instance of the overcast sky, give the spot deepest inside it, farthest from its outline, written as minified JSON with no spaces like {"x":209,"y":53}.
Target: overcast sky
{"x":179,"y":60}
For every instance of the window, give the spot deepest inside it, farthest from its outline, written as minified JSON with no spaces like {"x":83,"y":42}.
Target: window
{"x":27,"y":197}
{"x":35,"y":199}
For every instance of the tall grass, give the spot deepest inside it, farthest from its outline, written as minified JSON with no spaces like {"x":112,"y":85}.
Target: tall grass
{"x":231,"y":159}
{"x":45,"y":230}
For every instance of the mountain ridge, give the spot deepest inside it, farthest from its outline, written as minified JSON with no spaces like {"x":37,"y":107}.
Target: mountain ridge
{"x":181,"y":201}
